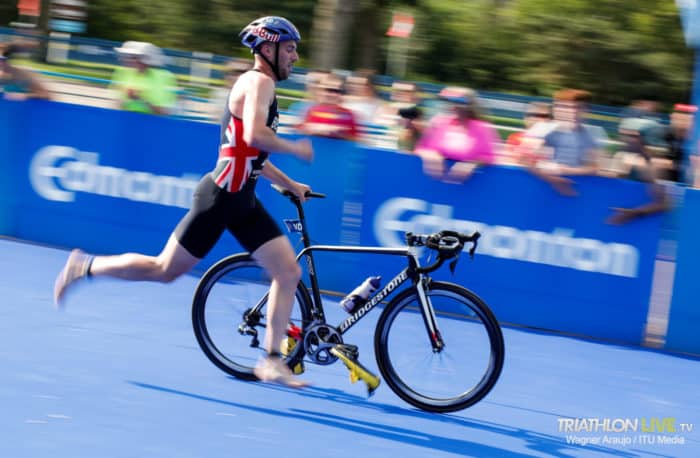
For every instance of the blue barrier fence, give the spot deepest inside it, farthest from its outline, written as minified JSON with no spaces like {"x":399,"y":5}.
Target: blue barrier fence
{"x":684,"y":317}
{"x":111,"y":181}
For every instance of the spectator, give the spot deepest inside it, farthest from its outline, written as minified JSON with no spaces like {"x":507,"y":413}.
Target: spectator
{"x":328,"y":118}
{"x":142,"y":85}
{"x":454,"y":144}
{"x":659,"y":200}
{"x":516,"y":149}
{"x":565,"y":147}
{"x":640,"y":135}
{"x":404,"y":98}
{"x":677,"y":137}
{"x":312,"y":82}
{"x":404,"y":95}
{"x":410,"y":127}
{"x":17,"y":83}
{"x":361,"y":97}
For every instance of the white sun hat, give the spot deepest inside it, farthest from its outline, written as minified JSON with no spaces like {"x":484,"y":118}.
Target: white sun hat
{"x":147,"y":53}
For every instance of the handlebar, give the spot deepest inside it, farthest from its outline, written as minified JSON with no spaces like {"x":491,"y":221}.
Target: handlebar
{"x":448,"y":244}
{"x":287,"y":193}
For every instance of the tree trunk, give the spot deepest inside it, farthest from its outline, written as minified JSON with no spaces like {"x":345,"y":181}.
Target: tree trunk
{"x":369,"y":41}
{"x":43,"y":30}
{"x":331,"y":29}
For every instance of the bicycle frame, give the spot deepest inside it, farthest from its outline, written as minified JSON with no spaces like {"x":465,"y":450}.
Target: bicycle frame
{"x":411,"y":272}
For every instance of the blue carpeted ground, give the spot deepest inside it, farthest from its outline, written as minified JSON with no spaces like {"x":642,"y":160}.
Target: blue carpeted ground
{"x":119,"y":374}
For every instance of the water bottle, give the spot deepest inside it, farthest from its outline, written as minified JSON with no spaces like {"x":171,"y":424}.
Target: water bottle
{"x":359,"y":295}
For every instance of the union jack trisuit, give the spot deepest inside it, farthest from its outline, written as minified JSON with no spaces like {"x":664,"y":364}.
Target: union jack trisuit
{"x":239,"y":164}
{"x":225,"y":198}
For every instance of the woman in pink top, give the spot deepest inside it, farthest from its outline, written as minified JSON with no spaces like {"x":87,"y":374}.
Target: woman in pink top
{"x":456,"y":143}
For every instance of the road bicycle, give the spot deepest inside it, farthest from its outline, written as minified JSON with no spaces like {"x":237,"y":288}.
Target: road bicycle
{"x":437,"y":345}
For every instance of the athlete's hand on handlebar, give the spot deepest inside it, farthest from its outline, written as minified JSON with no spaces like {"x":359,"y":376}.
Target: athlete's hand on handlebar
{"x":300,"y":190}
{"x":303,"y":149}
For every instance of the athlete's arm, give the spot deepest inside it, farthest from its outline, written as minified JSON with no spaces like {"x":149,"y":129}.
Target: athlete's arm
{"x":278,"y":177}
{"x":260,"y":93}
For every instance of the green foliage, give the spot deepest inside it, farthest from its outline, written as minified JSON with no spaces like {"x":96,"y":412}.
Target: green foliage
{"x":617,"y":50}
{"x":202,"y":25}
{"x":8,"y":12}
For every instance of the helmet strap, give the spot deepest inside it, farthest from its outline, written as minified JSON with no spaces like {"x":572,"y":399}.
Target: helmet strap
{"x":276,"y":68}
{"x":273,"y":66}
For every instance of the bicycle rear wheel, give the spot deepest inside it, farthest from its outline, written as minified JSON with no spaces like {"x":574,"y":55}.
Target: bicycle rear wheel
{"x":459,"y":375}
{"x":227,"y":328}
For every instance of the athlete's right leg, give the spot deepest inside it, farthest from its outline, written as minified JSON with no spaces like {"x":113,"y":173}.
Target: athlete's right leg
{"x":172,"y":262}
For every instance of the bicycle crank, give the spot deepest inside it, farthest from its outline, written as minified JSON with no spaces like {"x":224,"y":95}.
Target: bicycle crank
{"x":319,"y":339}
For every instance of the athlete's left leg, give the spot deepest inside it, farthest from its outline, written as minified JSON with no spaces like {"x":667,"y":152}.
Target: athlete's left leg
{"x":277,"y":257}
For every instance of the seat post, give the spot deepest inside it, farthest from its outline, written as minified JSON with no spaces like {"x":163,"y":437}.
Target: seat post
{"x":302,"y":218}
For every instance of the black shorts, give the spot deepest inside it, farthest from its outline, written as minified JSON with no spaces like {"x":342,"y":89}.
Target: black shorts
{"x":214,"y":209}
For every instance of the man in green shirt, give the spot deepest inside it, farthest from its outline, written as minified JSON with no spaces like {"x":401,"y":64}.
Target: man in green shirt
{"x":142,"y":85}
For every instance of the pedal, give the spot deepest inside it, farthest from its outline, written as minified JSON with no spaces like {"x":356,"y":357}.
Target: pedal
{"x":288,"y":345}
{"x":348,"y":355}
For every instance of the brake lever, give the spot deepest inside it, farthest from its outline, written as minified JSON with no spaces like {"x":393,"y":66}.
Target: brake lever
{"x":474,"y":239}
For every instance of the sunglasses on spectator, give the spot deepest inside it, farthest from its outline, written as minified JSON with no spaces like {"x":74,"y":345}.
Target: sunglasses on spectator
{"x":335,"y":90}
{"x":538,"y":115}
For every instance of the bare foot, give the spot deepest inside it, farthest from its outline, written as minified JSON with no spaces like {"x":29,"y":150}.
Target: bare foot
{"x":273,"y":370}
{"x":76,"y":268}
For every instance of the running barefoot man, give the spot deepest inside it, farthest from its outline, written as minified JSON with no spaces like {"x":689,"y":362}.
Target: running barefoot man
{"x":225,"y":198}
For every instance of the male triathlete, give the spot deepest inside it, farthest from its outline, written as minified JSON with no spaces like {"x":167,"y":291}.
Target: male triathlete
{"x":225,"y":198}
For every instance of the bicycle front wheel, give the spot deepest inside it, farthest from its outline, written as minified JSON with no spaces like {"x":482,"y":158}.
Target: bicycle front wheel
{"x":457,"y":376}
{"x":229,"y":315}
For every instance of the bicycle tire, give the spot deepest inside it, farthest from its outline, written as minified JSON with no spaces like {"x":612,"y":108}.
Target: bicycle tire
{"x":236,"y":267}
{"x":477,"y":314}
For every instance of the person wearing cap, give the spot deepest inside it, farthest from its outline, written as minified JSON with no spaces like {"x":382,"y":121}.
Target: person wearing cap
{"x":641,"y":136}
{"x":455,"y":143}
{"x":328,"y":118}
{"x":142,"y":84}
{"x":17,"y":83}
{"x":225,"y":198}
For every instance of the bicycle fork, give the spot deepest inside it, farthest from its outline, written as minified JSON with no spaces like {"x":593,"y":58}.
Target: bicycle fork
{"x":428,"y":313}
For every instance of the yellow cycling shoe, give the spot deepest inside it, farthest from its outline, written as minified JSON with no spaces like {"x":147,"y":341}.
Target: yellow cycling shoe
{"x":286,"y":349}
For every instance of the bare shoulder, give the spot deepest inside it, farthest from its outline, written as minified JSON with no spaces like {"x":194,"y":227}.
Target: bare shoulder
{"x":251,"y":85}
